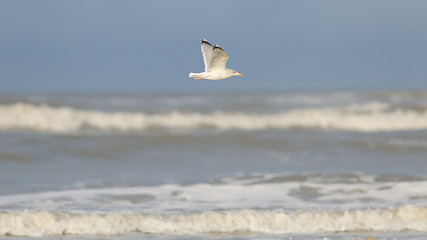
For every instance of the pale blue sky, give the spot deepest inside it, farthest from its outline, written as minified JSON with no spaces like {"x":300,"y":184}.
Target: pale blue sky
{"x":106,"y":45}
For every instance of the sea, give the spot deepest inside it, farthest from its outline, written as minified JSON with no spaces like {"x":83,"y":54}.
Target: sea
{"x":295,"y":165}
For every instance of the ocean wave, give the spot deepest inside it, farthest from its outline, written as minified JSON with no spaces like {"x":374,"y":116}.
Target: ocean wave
{"x":44,"y":223}
{"x":280,"y":191}
{"x":369,"y":117}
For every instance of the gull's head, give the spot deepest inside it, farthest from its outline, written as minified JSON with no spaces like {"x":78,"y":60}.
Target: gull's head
{"x":235,"y":73}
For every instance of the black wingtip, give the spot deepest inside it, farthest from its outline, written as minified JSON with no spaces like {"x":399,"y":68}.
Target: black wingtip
{"x":216,"y":46}
{"x":206,"y":41}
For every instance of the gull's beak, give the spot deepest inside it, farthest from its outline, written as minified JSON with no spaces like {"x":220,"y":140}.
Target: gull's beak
{"x":239,"y":74}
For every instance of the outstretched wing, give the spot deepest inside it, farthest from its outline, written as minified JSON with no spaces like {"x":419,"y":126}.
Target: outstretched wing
{"x":219,"y":58}
{"x":207,"y":53}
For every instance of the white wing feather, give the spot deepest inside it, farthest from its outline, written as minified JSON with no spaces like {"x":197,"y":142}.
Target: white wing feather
{"x":207,"y":53}
{"x":219,"y":58}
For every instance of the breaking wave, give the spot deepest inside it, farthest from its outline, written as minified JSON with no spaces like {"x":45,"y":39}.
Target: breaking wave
{"x":369,"y":117}
{"x":44,"y":223}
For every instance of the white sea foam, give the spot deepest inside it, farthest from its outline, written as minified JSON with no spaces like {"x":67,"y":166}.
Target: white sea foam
{"x":269,"y":204}
{"x":314,"y":192}
{"x":367,"y":117}
{"x":44,"y":223}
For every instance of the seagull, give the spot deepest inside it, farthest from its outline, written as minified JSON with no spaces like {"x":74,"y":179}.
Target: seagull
{"x":215,"y":60}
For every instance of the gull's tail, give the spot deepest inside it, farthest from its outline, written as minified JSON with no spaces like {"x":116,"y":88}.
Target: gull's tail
{"x":194,"y":75}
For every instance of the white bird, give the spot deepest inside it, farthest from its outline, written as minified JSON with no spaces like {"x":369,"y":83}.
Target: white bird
{"x":215,"y":60}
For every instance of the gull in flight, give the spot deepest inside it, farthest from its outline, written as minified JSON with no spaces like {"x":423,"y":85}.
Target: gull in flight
{"x":215,"y":60}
